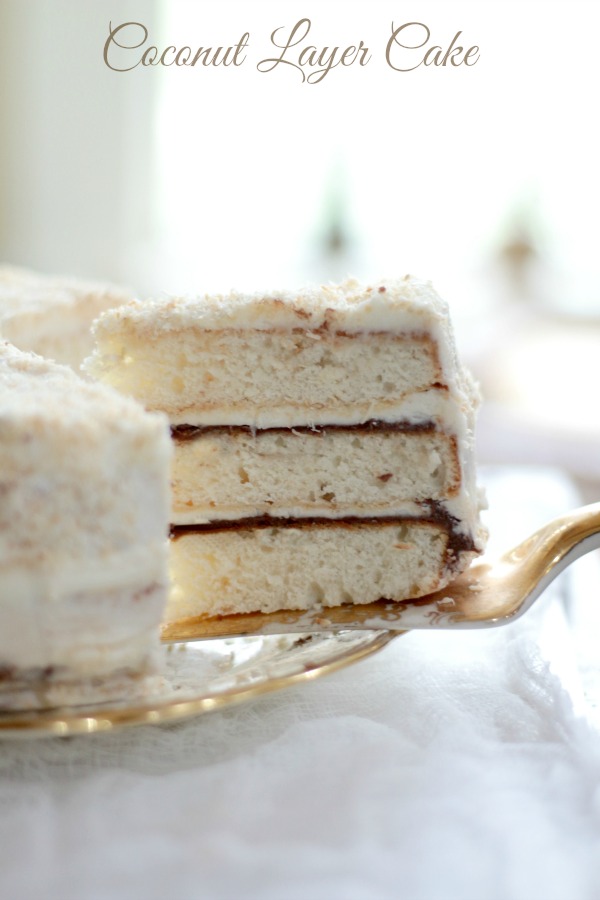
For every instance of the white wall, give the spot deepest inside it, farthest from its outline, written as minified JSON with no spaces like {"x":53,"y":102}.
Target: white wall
{"x":76,"y":140}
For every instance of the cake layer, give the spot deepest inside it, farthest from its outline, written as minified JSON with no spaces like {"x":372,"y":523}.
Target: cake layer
{"x":53,"y":316}
{"x":310,"y":564}
{"x":378,"y":467}
{"x":224,"y":377}
{"x":334,"y":354}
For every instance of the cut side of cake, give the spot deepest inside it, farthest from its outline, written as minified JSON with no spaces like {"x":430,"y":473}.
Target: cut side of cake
{"x":84,"y":488}
{"x":323,"y":442}
{"x":52,"y":316}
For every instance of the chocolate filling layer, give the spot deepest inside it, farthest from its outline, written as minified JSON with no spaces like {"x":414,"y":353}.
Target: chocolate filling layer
{"x":434,"y":514}
{"x":190,"y":432}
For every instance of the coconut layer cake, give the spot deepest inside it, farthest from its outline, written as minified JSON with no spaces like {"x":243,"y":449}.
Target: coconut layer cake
{"x":323,"y":442}
{"x":52,"y":316}
{"x":84,"y":488}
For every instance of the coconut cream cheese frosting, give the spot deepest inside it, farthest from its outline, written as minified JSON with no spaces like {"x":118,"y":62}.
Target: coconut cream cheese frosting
{"x":83,"y":552}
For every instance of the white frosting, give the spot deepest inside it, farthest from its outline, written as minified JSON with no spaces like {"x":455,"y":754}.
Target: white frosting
{"x":82,"y":615}
{"x":451,"y":413}
{"x":391,"y":305}
{"x":83,"y":520}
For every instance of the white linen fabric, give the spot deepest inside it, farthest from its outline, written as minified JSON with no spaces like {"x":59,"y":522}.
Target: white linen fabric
{"x":450,"y":766}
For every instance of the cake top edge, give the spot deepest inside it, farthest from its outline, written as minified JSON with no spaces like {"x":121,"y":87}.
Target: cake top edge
{"x":14,"y":278}
{"x":387,"y":304}
{"x":37,"y":390}
{"x":24,"y":293}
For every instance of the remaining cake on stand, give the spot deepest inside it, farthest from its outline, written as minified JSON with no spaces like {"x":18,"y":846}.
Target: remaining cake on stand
{"x":323,"y":442}
{"x":84,"y":499}
{"x":52,"y":316}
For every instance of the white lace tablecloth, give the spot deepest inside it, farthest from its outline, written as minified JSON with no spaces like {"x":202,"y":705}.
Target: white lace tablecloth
{"x":460,"y":765}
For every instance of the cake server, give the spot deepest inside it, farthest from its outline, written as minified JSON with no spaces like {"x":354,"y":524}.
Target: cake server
{"x":487,"y":594}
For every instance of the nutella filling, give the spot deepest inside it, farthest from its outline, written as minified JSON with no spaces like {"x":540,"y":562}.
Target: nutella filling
{"x":190,"y":432}
{"x":434,"y":514}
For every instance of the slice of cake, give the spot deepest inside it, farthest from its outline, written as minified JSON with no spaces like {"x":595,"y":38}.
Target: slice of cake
{"x":84,"y":498}
{"x":323,"y":442}
{"x":52,"y":316}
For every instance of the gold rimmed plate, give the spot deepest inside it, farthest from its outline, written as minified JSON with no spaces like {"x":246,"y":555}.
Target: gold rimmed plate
{"x":199,"y":677}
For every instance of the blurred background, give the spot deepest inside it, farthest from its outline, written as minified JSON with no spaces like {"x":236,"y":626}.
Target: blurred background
{"x":482,"y":179}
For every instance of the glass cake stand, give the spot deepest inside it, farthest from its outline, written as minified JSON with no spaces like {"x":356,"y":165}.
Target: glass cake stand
{"x":199,"y":677}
